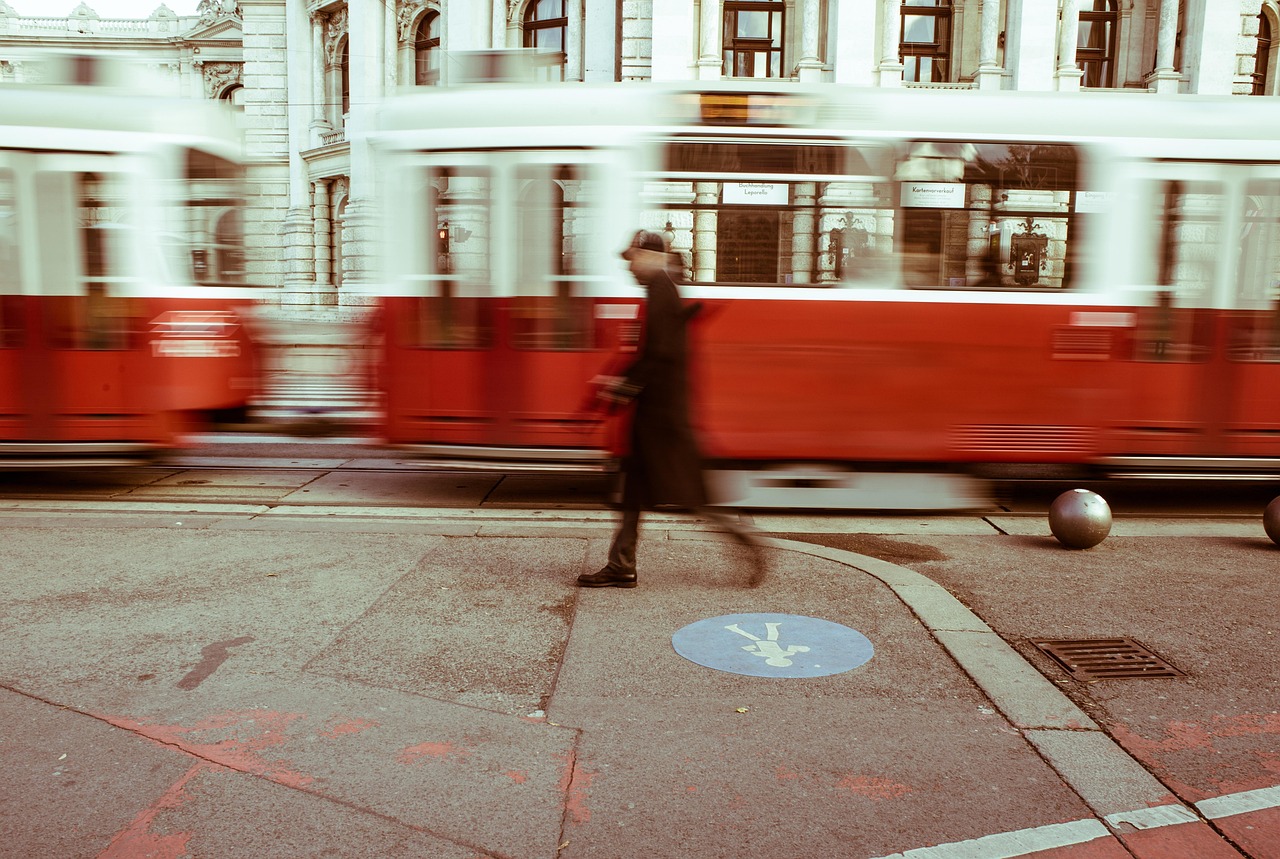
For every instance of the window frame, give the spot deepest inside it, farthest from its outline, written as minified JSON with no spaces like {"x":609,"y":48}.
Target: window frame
{"x":938,"y":50}
{"x":532,"y":26}
{"x":734,"y":46}
{"x":1262,"y":55}
{"x":1100,"y":62}
{"x":426,"y":50}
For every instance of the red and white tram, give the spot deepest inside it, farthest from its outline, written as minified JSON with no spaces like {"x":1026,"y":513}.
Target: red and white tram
{"x":901,"y":291}
{"x":121,"y":269}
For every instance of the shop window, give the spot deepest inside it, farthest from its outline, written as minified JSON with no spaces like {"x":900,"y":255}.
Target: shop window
{"x":926,"y":41}
{"x":988,"y":215}
{"x":788,"y":213}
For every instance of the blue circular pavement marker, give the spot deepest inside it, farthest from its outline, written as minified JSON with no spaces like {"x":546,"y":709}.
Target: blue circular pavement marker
{"x":773,"y":645}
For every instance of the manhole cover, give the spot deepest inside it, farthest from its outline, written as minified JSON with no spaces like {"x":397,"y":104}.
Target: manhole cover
{"x":1092,"y":659}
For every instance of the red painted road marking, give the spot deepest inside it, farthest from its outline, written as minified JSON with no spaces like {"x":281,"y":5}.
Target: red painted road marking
{"x":137,"y":840}
{"x":438,"y":751}
{"x":253,"y":732}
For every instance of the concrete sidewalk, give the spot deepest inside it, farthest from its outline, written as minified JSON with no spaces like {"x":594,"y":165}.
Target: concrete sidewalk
{"x":320,"y":686}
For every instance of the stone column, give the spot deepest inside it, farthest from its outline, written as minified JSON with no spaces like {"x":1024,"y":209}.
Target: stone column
{"x":1165,"y":80}
{"x":704,"y":231}
{"x":321,"y":211}
{"x":857,"y":46}
{"x":573,"y":40}
{"x":1030,"y":42}
{"x":810,"y":66}
{"x":990,"y":73}
{"x":890,"y":68}
{"x":710,"y":46}
{"x":1069,"y":74}
{"x":319,"y":122}
{"x":803,"y":233}
{"x":365,"y":33}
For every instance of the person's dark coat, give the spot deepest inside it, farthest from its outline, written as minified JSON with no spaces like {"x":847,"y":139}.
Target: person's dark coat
{"x":663,"y":466}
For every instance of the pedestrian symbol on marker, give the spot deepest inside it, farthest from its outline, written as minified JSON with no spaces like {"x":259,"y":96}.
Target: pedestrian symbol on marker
{"x":768,"y":647}
{"x":776,"y":645}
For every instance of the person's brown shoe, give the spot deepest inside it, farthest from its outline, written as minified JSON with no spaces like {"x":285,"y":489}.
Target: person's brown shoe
{"x":609,"y":577}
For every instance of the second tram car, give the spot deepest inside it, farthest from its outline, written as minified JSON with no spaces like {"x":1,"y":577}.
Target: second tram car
{"x":122,"y":282}
{"x":900,"y":292}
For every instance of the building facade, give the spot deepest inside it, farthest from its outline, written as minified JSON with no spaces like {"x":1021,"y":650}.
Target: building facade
{"x":307,"y":75}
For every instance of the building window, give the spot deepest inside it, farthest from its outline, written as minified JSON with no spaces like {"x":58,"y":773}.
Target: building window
{"x":1262,"y":59}
{"x":1096,"y":46}
{"x":426,"y":50}
{"x":753,"y":38}
{"x":344,"y":78}
{"x":926,"y":41}
{"x":234,"y":96}
{"x":545,"y":23}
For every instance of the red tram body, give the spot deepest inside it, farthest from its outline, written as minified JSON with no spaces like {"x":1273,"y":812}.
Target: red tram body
{"x":122,"y":287}
{"x":910,"y":288}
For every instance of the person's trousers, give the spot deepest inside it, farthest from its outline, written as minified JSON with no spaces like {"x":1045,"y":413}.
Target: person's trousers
{"x":622,"y":551}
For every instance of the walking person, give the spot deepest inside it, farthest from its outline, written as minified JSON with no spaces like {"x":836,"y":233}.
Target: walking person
{"x":663,"y":466}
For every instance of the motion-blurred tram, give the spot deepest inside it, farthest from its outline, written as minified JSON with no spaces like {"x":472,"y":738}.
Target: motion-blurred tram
{"x":902,"y":294}
{"x":122,"y":279}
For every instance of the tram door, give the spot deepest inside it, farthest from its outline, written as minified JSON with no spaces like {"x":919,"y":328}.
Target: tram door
{"x":1206,"y":346}
{"x":502,"y":331}
{"x":75,"y":355}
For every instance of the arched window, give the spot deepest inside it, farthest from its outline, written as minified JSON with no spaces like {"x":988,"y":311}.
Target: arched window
{"x":1262,"y":59}
{"x":926,"y":41}
{"x":426,"y":50}
{"x":545,"y":23}
{"x":1096,"y":45}
{"x":753,"y":38}
{"x":234,"y":96}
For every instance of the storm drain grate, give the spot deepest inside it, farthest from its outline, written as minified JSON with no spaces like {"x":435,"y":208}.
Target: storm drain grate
{"x":1092,"y":659}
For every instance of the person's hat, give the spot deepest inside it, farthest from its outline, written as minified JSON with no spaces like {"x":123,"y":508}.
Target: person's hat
{"x":645,"y":240}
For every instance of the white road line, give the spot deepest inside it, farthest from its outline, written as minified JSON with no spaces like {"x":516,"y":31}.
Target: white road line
{"x":1007,"y":845}
{"x":1240,"y":803}
{"x":1154,"y":818}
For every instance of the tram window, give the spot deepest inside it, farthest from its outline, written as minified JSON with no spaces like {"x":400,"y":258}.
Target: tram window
{"x":10,"y":282}
{"x":776,"y":233}
{"x":208,"y":246}
{"x":1255,"y":334}
{"x":772,"y":227}
{"x":453,"y":260}
{"x":988,"y":215}
{"x":555,"y":226}
{"x":106,"y":322}
{"x":1186,"y":243}
{"x":86,"y":212}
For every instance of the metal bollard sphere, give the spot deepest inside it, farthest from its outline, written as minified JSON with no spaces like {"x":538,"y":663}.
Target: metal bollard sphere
{"x":1271,"y":520}
{"x":1080,"y":519}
